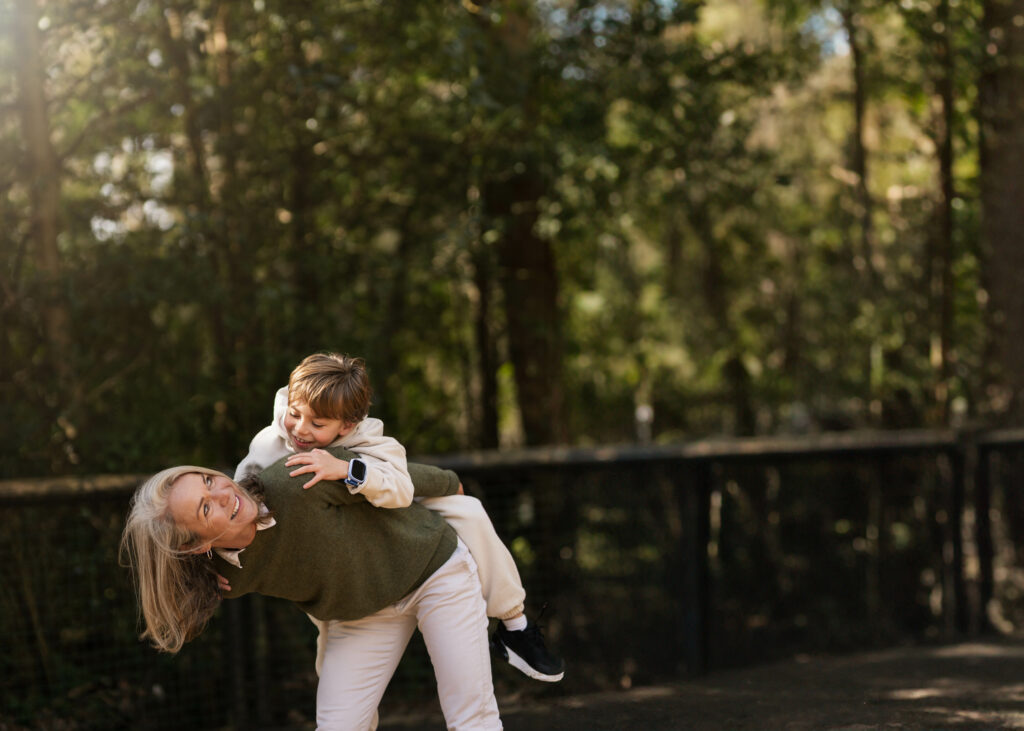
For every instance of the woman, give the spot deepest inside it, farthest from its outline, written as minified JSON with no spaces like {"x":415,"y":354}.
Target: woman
{"x":372,"y":574}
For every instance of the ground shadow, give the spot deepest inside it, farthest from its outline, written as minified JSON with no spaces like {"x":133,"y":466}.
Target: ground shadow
{"x":967,"y":686}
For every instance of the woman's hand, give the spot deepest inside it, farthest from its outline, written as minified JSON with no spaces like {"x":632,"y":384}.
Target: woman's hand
{"x":324,"y":466}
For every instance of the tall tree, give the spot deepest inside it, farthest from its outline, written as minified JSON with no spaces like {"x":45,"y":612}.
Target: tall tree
{"x":933,"y":30}
{"x":512,"y":190}
{"x":43,"y":177}
{"x":1001,"y":113}
{"x":943,"y":287}
{"x":858,"y":37}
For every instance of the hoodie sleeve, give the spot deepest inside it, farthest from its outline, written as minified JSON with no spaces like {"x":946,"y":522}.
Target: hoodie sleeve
{"x":266,"y":448}
{"x":388,"y":484}
{"x":270,"y":443}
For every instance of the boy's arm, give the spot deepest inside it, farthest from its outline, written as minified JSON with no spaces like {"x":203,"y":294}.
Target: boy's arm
{"x":333,"y":491}
{"x":388,"y":484}
{"x":428,"y":481}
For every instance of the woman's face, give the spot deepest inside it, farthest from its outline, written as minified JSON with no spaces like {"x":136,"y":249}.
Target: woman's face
{"x":215,"y":509}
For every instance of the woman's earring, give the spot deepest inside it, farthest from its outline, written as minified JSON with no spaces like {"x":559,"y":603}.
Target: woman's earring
{"x":209,"y":553}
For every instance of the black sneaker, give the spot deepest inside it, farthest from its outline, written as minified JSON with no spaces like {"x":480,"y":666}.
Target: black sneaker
{"x":525,"y":651}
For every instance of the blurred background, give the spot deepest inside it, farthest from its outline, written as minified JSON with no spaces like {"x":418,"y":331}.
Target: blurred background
{"x":548,"y":227}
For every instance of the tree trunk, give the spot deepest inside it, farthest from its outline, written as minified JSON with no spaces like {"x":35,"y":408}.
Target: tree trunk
{"x":388,"y":349}
{"x":864,"y":261}
{"x":724,"y":339}
{"x":181,"y":71}
{"x":233,"y":222}
{"x":1001,"y":113}
{"x":527,"y":270}
{"x":199,"y":193}
{"x":486,"y":348}
{"x":943,"y":285}
{"x":44,"y":182}
{"x":530,"y":282}
{"x":305,"y":255}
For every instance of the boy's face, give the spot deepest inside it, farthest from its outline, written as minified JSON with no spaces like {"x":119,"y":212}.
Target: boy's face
{"x":308,"y":431}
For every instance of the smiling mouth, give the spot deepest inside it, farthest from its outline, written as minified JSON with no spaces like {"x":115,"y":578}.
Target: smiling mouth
{"x":238,"y":506}
{"x":302,"y":445}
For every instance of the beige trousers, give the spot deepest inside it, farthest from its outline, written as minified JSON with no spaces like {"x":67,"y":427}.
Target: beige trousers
{"x":499,"y":577}
{"x":361,"y":655}
{"x":503,"y":590}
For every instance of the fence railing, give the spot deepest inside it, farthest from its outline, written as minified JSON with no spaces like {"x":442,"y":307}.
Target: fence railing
{"x":657,"y":562}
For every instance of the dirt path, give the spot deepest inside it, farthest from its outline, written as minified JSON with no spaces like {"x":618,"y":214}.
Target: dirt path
{"x":969,"y":686}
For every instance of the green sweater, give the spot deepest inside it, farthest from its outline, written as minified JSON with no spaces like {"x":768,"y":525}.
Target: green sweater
{"x":336,"y":555}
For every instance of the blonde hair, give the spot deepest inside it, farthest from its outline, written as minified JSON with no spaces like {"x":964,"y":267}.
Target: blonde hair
{"x":177,"y":589}
{"x":334,"y":386}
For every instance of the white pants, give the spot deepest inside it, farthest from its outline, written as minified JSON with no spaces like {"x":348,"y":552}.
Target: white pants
{"x":361,"y":655}
{"x":499,"y":578}
{"x":503,"y":589}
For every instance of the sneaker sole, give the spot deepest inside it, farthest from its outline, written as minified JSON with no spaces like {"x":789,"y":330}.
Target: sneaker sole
{"x":526,"y":669}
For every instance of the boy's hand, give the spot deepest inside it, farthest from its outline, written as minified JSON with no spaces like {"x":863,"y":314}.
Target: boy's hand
{"x":323,"y":466}
{"x":222,"y":584}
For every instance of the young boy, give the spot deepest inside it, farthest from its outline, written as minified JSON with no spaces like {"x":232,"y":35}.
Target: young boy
{"x":325,"y":404}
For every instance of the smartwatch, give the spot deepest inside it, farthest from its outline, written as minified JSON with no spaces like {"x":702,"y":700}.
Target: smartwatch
{"x":356,"y":473}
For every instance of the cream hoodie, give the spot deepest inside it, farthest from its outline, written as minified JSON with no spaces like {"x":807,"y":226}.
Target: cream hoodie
{"x":387,"y":485}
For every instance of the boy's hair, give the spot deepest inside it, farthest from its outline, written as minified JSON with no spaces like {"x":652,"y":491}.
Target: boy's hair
{"x":334,"y":386}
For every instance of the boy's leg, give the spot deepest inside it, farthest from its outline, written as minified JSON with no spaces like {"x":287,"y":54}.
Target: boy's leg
{"x":518,"y":641}
{"x":499,"y":578}
{"x":450,"y":611}
{"x":359,"y":659}
{"x":522,"y":646}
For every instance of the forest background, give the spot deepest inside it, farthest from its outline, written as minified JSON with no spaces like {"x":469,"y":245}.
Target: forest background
{"x":539,"y":222}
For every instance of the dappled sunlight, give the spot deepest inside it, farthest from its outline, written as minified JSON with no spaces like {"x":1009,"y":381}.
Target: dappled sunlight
{"x":979,"y":650}
{"x":958,"y":688}
{"x":917,"y":694}
{"x":1005,"y":720}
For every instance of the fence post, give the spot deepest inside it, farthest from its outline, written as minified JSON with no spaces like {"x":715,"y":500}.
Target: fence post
{"x":259,"y":648}
{"x":958,"y":457}
{"x":983,"y":534}
{"x":696,"y":501}
{"x":234,"y":658}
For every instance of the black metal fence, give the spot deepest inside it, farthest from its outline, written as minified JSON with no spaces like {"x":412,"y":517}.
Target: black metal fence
{"x":656,"y":563}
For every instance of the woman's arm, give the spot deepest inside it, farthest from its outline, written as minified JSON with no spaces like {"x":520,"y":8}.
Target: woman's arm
{"x":431,"y":481}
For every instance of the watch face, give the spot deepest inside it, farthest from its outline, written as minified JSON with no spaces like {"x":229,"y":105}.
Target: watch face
{"x":357,"y":470}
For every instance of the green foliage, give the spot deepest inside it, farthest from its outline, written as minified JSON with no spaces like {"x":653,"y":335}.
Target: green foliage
{"x":244,"y":183}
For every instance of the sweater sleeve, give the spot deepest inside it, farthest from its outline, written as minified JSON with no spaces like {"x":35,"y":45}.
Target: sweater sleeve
{"x":431,"y":481}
